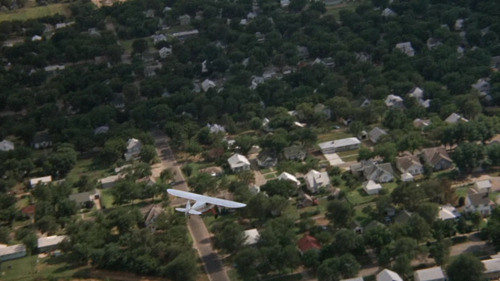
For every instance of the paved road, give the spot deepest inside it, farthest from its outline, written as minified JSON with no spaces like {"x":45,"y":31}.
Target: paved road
{"x":201,"y":236}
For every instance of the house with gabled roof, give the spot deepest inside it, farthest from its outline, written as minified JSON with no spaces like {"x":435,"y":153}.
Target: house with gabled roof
{"x":85,"y":199}
{"x":267,"y":159}
{"x":6,"y":145}
{"x":315,"y":180}
{"x":492,"y":268}
{"x":308,"y":242}
{"x":478,"y":202}
{"x":455,"y":118}
{"x":184,"y":19}
{"x":379,"y":173}
{"x":339,"y":145}
{"x":406,"y":48}
{"x":421,"y":123}
{"x":437,"y":158}
{"x":433,"y":43}
{"x":12,"y":252}
{"x":375,"y":134}
{"x":388,"y":275}
{"x":134,"y":147}
{"x":409,"y":164}
{"x":238,"y":163}
{"x":448,"y":212}
{"x":371,"y":187}
{"x":387,"y":12}
{"x":429,"y":274}
{"x":289,"y":177}
{"x":40,"y":181}
{"x":46,"y":244}
{"x":151,"y":216}
{"x":251,"y":237}
{"x":482,"y":186}
{"x":207,"y":84}
{"x":394,"y":101}
{"x":294,"y":152}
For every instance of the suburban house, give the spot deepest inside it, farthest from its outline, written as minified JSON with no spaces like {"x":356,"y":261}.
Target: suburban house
{"x":29,"y":211}
{"x":448,"y":212}
{"x":429,"y":274}
{"x":406,"y":48}
{"x":407,"y":177}
{"x":387,"y":12}
{"x":388,"y":275}
{"x":394,"y":101}
{"x":437,"y":158}
{"x":47,"y":244}
{"x":134,"y":147}
{"x":85,"y":199}
{"x":151,"y":217}
{"x":12,"y":252}
{"x":418,"y":94}
{"x":339,"y":145}
{"x":294,"y":152}
{"x":238,"y":163}
{"x":375,"y":134}
{"x":101,"y":130}
{"x":371,"y":188}
{"x":478,"y":202}
{"x":323,"y":109}
{"x":402,"y":217}
{"x":482,"y":186}
{"x":308,"y":242}
{"x":41,"y":140}
{"x":267,"y":159}
{"x":207,"y":84}
{"x":433,"y":43}
{"x":42,"y":180}
{"x":216,"y":128}
{"x":251,"y":237}
{"x":213,"y":171}
{"x":455,"y":118}
{"x":315,"y":180}
{"x":184,"y":19}
{"x":164,"y":52}
{"x":6,"y":145}
{"x":110,"y":181}
{"x":289,"y":177}
{"x":371,"y":170}
{"x":410,"y":164}
{"x":492,"y":268}
{"x":421,"y":123}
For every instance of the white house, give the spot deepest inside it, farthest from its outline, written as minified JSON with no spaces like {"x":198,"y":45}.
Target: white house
{"x":46,"y":244}
{"x":12,"y":252}
{"x":482,"y":186}
{"x":42,"y":180}
{"x":289,"y":177}
{"x":238,"y":162}
{"x":478,"y":202}
{"x":207,"y":84}
{"x":251,"y":236}
{"x":429,"y":274}
{"x":448,"y":212}
{"x":371,"y":188}
{"x":134,"y":147}
{"x":6,"y":145}
{"x":164,"y":52}
{"x":387,"y":12}
{"x":216,"y":128}
{"x":492,"y":268}
{"x":406,"y":48}
{"x":315,"y":180}
{"x":388,"y":275}
{"x":455,"y":118}
{"x":339,"y":145}
{"x":394,"y":101}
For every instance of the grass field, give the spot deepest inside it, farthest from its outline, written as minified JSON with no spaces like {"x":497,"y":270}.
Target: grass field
{"x":35,"y":12}
{"x":34,"y":268}
{"x":335,"y":9}
{"x":333,"y":135}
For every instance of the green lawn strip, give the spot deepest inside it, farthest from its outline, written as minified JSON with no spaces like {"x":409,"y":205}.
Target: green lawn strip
{"x":87,"y":167}
{"x":265,"y":171}
{"x":270,"y":176}
{"x":35,"y":12}
{"x":359,"y":196}
{"x":290,"y":277}
{"x":107,"y":198}
{"x":333,"y":135}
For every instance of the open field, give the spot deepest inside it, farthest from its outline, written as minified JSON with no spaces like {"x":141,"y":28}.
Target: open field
{"x":35,"y":268}
{"x":33,"y":12}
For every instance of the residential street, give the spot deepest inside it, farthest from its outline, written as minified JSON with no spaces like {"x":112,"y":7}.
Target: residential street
{"x":201,"y":236}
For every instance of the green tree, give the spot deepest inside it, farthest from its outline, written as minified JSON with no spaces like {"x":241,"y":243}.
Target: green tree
{"x":339,"y":213}
{"x":329,"y":270}
{"x":441,"y":251}
{"x":148,"y":154}
{"x":228,"y":237}
{"x":468,"y":156}
{"x":124,"y":192}
{"x":465,"y":268}
{"x":279,"y":187}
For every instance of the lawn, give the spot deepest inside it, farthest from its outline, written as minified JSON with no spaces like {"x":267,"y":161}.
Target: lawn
{"x":359,"y":196}
{"x":333,"y":135}
{"x":35,"y":12}
{"x":270,"y":176}
{"x":34,"y":268}
{"x":106,"y":198}
{"x":335,"y":9}
{"x":87,"y":167}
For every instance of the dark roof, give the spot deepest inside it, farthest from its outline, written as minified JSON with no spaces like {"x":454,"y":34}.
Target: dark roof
{"x":308,"y":242}
{"x":479,"y":199}
{"x":81,"y":197}
{"x":434,"y":154}
{"x":28,"y":210}
{"x":407,"y":161}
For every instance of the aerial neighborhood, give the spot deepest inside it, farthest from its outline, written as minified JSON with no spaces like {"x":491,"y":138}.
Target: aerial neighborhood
{"x":358,"y":140}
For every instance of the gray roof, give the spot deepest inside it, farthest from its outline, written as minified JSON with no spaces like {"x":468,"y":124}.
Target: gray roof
{"x":429,"y":274}
{"x":376,"y":133}
{"x":82,"y":197}
{"x":491,"y":265}
{"x":479,"y":199}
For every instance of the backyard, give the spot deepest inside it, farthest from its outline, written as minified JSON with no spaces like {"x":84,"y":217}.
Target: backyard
{"x":32,"y":11}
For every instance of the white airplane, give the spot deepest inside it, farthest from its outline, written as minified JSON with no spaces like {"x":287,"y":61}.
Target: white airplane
{"x":203,"y":203}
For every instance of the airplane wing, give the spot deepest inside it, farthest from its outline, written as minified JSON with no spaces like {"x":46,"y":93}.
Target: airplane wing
{"x":206,"y":199}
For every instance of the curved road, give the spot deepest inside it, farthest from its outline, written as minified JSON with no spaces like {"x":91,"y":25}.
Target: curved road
{"x":201,"y":237}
